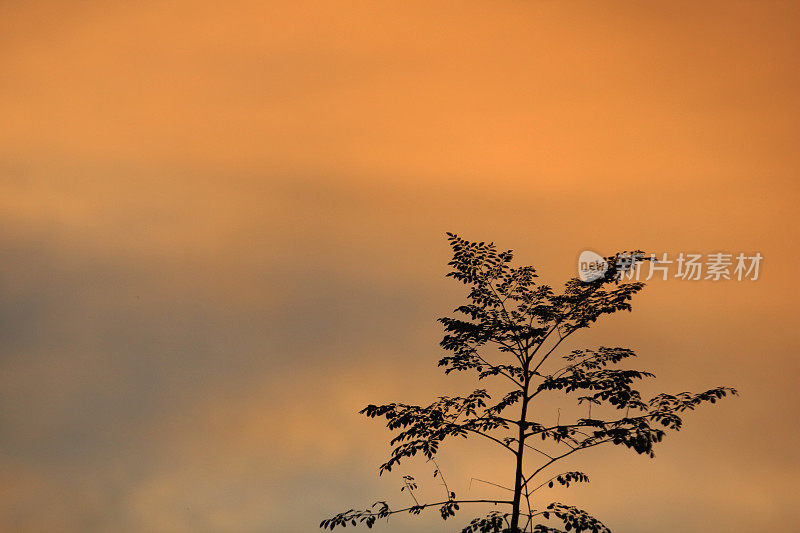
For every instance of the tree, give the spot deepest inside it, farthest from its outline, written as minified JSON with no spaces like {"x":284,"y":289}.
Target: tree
{"x":509,"y":330}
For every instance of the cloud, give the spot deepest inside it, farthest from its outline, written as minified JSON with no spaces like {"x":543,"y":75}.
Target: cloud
{"x":221,"y":235}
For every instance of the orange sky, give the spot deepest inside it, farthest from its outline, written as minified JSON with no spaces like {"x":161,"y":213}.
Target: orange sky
{"x":222,"y":227}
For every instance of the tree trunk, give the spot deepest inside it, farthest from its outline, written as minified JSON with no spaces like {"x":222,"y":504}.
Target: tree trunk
{"x":518,"y":475}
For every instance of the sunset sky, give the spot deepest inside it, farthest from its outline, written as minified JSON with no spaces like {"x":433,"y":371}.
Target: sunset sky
{"x":222,"y":234}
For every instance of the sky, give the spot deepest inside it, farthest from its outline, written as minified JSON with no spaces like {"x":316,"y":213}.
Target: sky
{"x":222,"y":234}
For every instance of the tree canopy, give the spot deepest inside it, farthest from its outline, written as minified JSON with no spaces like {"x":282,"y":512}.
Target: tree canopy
{"x":510,"y":329}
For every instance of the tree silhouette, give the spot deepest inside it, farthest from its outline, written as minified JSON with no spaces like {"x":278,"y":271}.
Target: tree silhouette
{"x":509,"y":329}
